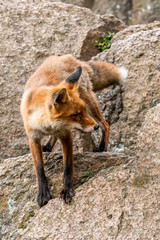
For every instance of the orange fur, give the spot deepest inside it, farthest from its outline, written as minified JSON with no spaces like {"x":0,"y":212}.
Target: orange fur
{"x":53,"y":104}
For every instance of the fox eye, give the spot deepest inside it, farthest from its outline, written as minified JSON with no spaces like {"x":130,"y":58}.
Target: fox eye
{"x":76,"y":114}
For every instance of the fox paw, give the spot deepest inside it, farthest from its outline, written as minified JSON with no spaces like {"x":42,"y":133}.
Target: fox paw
{"x":43,"y":197}
{"x":67,"y":194}
{"x":47,"y":149}
{"x":102,"y":147}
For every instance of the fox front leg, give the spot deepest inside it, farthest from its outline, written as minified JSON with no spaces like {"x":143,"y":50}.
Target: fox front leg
{"x":67,"y":192}
{"x":43,"y":195}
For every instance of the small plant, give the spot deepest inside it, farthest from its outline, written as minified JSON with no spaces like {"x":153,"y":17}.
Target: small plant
{"x":105,"y":42}
{"x":23,"y":224}
{"x":87,"y":175}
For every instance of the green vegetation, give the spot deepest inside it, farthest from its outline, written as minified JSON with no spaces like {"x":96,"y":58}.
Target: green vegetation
{"x":87,"y":175}
{"x":23,"y":224}
{"x":105,"y":42}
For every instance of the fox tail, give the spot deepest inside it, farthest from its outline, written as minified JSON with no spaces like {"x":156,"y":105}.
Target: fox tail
{"x":104,"y":74}
{"x":123,"y":74}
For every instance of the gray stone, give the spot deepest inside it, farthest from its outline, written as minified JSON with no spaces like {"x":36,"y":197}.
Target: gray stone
{"x":131,"y":12}
{"x":148,"y":143}
{"x":18,"y":185}
{"x":136,"y":48}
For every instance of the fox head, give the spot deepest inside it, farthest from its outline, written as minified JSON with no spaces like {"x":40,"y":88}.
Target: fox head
{"x":67,"y":108}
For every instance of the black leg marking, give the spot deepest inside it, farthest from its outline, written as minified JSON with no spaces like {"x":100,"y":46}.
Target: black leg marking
{"x":47,"y":148}
{"x":67,"y":191}
{"x":50,"y":144}
{"x":102,"y":146}
{"x":43,"y":192}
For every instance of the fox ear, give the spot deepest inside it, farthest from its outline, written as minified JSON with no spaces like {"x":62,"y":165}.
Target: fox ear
{"x":74,"y":76}
{"x":60,"y":97}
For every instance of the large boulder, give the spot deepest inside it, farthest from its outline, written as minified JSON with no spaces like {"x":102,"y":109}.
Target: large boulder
{"x":118,"y":202}
{"x":18,"y":185}
{"x":81,"y":3}
{"x":148,"y":144}
{"x":131,"y":12}
{"x":136,"y":48}
{"x":119,"y":8}
{"x":31,"y":31}
{"x":144,"y":11}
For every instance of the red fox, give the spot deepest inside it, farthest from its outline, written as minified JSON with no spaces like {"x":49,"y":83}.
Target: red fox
{"x":57,"y":98}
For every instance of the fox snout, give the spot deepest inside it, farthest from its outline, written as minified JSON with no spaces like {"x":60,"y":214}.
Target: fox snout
{"x":87,"y":128}
{"x":90,"y":129}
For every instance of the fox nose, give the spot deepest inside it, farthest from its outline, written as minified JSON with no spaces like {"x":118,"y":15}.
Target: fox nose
{"x":96,"y":127}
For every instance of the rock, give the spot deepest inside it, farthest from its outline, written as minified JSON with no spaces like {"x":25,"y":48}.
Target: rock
{"x":116,"y":195}
{"x":116,"y":203}
{"x":81,"y":3}
{"x":144,"y":11}
{"x":94,"y":214}
{"x":149,"y":138}
{"x":136,"y":48}
{"x":120,"y":9}
{"x":18,"y":185}
{"x":31,"y":31}
{"x":112,"y":205}
{"x":131,"y":12}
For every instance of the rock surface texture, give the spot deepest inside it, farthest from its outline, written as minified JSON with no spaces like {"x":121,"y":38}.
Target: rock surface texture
{"x":148,"y":144}
{"x":118,"y":202}
{"x":130,"y":11}
{"x":18,"y":185}
{"x":118,"y":192}
{"x":31,"y":31}
{"x":136,"y":48}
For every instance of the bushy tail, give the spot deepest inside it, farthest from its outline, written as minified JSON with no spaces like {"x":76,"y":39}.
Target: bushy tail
{"x":105,"y":74}
{"x":123,"y":74}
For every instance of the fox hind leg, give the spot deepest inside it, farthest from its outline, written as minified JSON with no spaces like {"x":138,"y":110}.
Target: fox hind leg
{"x":50,"y":144}
{"x":94,"y":109}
